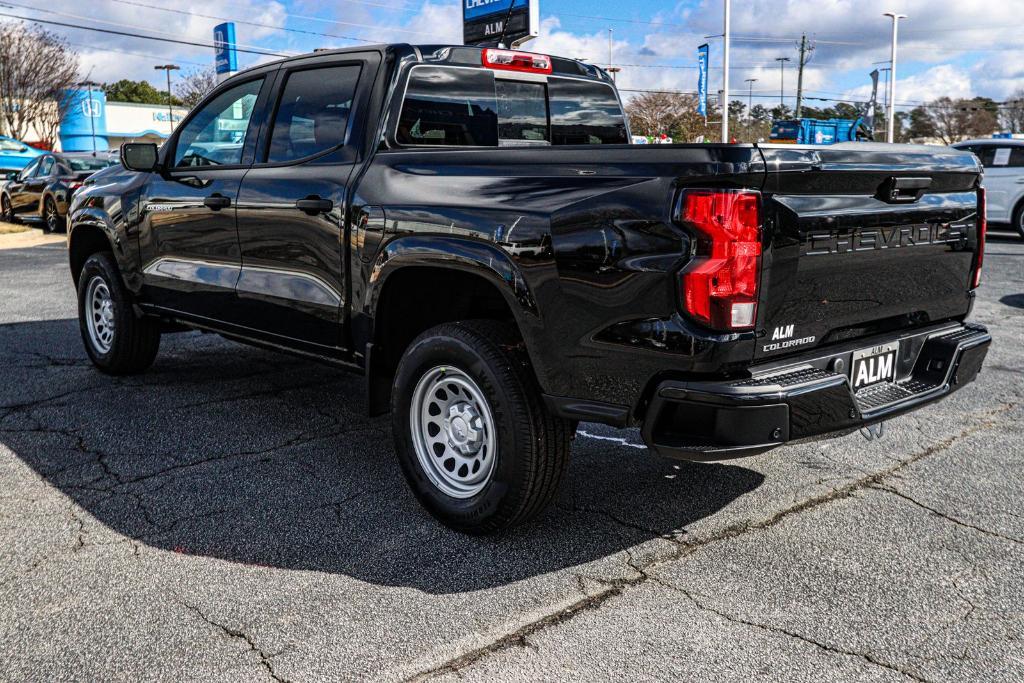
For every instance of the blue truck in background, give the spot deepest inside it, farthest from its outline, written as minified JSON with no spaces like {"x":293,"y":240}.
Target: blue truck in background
{"x":819,"y":131}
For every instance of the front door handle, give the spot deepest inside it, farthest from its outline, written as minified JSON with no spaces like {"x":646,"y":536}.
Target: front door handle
{"x":313,"y":205}
{"x":216,"y":202}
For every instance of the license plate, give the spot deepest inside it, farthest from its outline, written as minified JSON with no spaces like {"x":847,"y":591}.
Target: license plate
{"x":874,"y":365}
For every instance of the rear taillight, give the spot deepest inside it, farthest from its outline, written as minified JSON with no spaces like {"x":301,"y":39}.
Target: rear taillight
{"x":510,"y":60}
{"x":719,"y":286}
{"x":979,"y":255}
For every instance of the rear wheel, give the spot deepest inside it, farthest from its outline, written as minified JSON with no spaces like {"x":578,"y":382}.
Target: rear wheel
{"x":1018,"y":219}
{"x":473,"y":437}
{"x":118,"y":342}
{"x":54,"y":221}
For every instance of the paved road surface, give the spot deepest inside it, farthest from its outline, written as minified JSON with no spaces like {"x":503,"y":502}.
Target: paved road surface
{"x":233,"y":515}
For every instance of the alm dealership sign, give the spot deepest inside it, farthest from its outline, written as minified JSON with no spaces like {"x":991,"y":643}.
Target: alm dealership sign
{"x":510,"y":22}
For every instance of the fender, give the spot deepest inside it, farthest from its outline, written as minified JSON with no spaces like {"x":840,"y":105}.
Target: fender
{"x":472,"y":256}
{"x":84,"y":225}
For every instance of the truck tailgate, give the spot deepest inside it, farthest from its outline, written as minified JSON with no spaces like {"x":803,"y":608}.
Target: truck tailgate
{"x":862,"y":239}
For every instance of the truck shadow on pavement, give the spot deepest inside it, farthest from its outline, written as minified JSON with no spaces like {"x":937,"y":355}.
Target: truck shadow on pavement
{"x":239,"y":454}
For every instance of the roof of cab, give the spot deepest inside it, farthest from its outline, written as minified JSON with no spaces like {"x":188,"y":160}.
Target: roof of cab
{"x":462,"y":55}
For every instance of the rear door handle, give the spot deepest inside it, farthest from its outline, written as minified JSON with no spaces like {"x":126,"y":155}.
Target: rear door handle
{"x":216,"y":202}
{"x":314,"y":205}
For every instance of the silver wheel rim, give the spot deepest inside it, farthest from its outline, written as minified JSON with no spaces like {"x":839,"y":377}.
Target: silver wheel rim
{"x":453,"y":432}
{"x":51,"y":215}
{"x":99,"y":314}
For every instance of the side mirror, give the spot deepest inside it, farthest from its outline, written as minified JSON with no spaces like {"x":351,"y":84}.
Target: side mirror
{"x":11,"y":176}
{"x":139,"y":156}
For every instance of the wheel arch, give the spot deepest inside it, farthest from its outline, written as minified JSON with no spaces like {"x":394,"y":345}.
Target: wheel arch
{"x":87,"y":237}
{"x":420,"y":282}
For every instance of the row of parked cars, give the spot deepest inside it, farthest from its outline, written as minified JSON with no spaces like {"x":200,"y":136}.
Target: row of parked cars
{"x":37,"y":185}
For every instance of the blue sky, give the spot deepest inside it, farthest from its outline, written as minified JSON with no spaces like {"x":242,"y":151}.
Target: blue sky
{"x":960,"y":48}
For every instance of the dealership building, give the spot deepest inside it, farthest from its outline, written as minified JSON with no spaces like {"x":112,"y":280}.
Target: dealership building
{"x":93,"y":123}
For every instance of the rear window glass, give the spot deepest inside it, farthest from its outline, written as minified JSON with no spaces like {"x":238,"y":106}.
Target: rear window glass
{"x":585,"y":113}
{"x":470,"y":107}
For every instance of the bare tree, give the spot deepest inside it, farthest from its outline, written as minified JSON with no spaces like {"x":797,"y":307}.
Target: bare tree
{"x":195,"y":85}
{"x":1013,"y":113}
{"x":957,"y":120}
{"x":36,"y":68}
{"x":672,"y":114}
{"x":48,"y":122}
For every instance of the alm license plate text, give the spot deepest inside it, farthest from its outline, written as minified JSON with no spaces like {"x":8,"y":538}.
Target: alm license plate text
{"x":874,"y":365}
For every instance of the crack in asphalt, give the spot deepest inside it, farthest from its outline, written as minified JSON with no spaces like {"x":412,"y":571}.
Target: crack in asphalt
{"x":266,"y":660}
{"x":945,"y":516}
{"x":684,"y":548}
{"x":831,"y":649}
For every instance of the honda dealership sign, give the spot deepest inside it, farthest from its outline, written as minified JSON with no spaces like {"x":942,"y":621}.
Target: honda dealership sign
{"x":510,"y":22}
{"x":225,"y":57}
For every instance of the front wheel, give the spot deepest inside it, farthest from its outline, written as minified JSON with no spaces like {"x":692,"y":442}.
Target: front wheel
{"x":6,"y":211}
{"x":475,"y":442}
{"x":118,"y":341}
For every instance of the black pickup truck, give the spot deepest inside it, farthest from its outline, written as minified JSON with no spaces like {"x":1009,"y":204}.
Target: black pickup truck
{"x":471,"y":231}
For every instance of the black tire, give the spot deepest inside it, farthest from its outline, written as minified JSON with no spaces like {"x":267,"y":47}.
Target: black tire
{"x":6,"y":211}
{"x":1018,"y":219}
{"x":52,"y":220}
{"x":134,"y":341}
{"x":532,"y":445}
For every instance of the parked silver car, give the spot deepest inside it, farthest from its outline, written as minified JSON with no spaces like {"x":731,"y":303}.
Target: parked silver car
{"x":1004,"y":178}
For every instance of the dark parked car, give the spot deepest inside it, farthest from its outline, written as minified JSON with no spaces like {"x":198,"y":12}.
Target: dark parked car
{"x":469,"y":229}
{"x":43,"y":189}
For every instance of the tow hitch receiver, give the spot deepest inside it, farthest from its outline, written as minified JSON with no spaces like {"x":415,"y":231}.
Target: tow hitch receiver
{"x":873,"y":432}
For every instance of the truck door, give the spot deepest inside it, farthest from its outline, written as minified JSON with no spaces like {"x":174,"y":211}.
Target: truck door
{"x":188,"y":241}
{"x":292,"y":204}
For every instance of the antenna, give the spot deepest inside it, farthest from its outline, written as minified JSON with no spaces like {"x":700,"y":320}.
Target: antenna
{"x":504,"y":24}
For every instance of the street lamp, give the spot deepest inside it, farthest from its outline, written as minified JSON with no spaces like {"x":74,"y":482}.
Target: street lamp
{"x":170,"y":102}
{"x":782,"y":79}
{"x":891,"y":133}
{"x":750,"y":95}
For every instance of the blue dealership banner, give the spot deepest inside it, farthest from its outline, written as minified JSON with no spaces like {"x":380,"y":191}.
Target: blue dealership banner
{"x":226,"y":59}
{"x":702,"y":80}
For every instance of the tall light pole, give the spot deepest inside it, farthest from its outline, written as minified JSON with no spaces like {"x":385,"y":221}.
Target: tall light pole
{"x":750,"y":95}
{"x":891,"y":131}
{"x":782,"y":79}
{"x":725,"y":71}
{"x":170,"y":101}
{"x":612,"y":69}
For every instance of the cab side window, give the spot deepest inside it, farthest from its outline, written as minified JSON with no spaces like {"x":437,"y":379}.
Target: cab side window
{"x":215,"y":136}
{"x":313,"y":114}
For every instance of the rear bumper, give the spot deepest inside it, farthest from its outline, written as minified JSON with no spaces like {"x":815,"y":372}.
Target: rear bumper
{"x":809,"y":399}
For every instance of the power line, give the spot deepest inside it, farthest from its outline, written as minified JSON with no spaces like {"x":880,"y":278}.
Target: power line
{"x":134,"y":3}
{"x":191,"y":43}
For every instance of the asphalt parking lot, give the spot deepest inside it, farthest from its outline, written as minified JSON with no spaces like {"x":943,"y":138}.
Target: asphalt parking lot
{"x":233,"y":515}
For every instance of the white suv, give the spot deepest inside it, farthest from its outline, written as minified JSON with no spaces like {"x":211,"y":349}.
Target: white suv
{"x":1004,"y":178}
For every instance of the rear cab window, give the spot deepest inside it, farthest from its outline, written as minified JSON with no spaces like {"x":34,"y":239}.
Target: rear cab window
{"x":450,"y":106}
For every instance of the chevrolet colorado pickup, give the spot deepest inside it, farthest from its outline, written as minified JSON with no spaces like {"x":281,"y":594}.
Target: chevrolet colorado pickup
{"x":469,"y":229}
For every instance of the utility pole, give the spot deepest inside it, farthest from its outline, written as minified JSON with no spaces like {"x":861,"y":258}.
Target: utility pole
{"x":170,"y":100}
{"x":725,"y":73}
{"x":782,"y":79}
{"x":805,"y":53}
{"x":750,"y":95}
{"x":891,"y":128}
